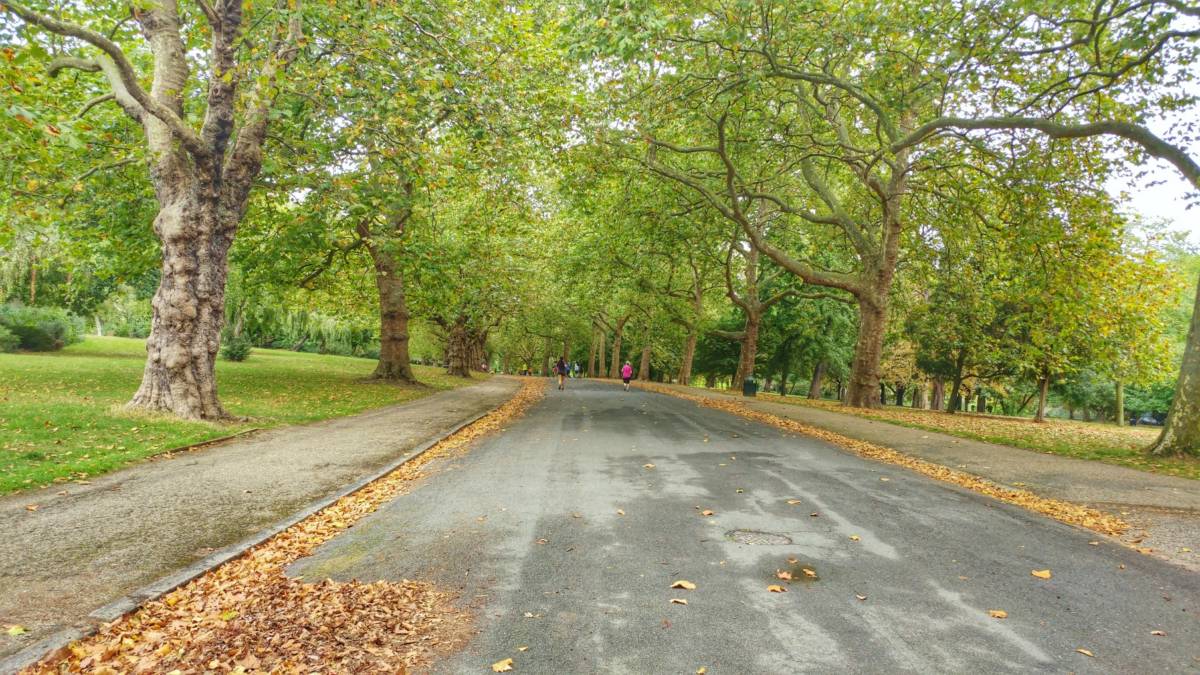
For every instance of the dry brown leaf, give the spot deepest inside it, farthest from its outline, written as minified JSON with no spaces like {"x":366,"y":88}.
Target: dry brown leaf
{"x":814,"y":514}
{"x":31,"y":507}
{"x":792,"y":560}
{"x":739,"y":491}
{"x":647,"y":466}
{"x":1041,"y":574}
{"x":860,"y":597}
{"x":775,"y":588}
{"x":783,"y":574}
{"x":502,"y":666}
{"x":620,"y":512}
{"x":541,"y":541}
{"x":701,"y":670}
{"x":854,"y":537}
{"x":997,"y":614}
{"x":1093,"y":543}
{"x":522,"y":649}
{"x":678,"y":601}
{"x":793,"y":502}
{"x":1085,"y":652}
{"x":1158,"y":633}
{"x":684,"y":584}
{"x":811,"y":574}
{"x":706,"y":512}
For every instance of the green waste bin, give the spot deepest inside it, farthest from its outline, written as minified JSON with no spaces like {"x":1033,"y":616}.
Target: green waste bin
{"x":749,"y":387}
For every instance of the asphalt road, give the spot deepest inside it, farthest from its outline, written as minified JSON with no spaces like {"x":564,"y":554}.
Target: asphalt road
{"x":528,"y":528}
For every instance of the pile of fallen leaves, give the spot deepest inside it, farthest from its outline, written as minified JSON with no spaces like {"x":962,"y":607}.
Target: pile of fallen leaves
{"x":248,"y":615}
{"x":1066,"y":512}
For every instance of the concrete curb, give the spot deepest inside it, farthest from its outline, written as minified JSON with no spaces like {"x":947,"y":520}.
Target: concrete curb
{"x":128,"y":603}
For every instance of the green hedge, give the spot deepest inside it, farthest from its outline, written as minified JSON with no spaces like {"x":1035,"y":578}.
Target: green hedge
{"x":41,"y":329}
{"x":9,"y":342}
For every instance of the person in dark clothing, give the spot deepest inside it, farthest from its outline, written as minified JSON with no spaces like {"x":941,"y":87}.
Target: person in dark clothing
{"x":561,"y":369}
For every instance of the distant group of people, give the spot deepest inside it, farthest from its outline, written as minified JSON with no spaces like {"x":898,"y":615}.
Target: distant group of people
{"x":566,"y":370}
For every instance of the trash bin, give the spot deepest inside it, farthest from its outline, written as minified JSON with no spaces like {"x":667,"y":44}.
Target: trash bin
{"x":749,"y":387}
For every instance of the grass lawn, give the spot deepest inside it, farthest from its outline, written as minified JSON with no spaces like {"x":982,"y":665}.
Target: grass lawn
{"x":1084,"y":440}
{"x":61,"y":416}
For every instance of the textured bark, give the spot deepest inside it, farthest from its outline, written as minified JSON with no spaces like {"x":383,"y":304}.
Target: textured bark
{"x":1119,"y":417}
{"x":615,"y":364}
{"x":863,"y":391}
{"x":937,"y":399}
{"x":689,"y":357}
{"x":393,"y":321}
{"x":457,"y":349}
{"x":1043,"y":394}
{"x":918,"y":399}
{"x":644,"y":367}
{"x":749,"y":350}
{"x":900,"y":389}
{"x":591,"y":367}
{"x":601,"y":353}
{"x":814,"y":386}
{"x":1181,"y":434}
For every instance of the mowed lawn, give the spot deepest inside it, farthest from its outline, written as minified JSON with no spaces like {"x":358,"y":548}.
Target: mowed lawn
{"x":1084,"y":440}
{"x":61,"y":415}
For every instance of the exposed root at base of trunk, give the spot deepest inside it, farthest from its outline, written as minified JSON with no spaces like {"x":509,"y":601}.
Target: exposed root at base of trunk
{"x":249,"y":616}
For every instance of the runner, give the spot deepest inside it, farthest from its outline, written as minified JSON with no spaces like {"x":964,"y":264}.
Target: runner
{"x":627,"y":374}
{"x":561,"y":369}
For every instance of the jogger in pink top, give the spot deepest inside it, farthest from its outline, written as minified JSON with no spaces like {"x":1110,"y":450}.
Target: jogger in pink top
{"x":627,"y":374}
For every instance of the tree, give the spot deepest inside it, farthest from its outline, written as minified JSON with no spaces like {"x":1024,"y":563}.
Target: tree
{"x":202,"y":178}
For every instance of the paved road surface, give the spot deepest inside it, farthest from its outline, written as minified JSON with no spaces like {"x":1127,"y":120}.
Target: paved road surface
{"x":931,"y":559}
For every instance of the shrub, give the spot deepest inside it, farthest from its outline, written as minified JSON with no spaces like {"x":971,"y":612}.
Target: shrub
{"x":124,"y":314}
{"x":41,"y":329}
{"x":8,"y":341}
{"x":236,"y":348}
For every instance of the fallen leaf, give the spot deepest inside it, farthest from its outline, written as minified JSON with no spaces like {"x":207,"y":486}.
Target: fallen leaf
{"x":809,"y":573}
{"x":701,"y":670}
{"x":16,"y":630}
{"x":885,"y":479}
{"x":541,"y":541}
{"x":1121,"y":566}
{"x":814,"y":514}
{"x":793,"y":502}
{"x":739,"y":491}
{"x":783,"y":574}
{"x":1085,"y":652}
{"x":521,"y":649}
{"x":576,"y":515}
{"x":1093,"y":543}
{"x":1041,"y":574}
{"x":792,"y":560}
{"x":997,"y":614}
{"x":678,"y":601}
{"x":684,"y":584}
{"x":1159,"y":633}
{"x":774,"y":588}
{"x":854,"y":537}
{"x":620,"y":512}
{"x":31,"y":507}
{"x":706,"y":512}
{"x":502,"y":666}
{"x":229,"y":615}
{"x":647,"y":466}
{"x":860,"y":597}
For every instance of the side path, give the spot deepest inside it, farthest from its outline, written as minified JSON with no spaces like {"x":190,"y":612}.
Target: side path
{"x":87,"y":545}
{"x":1164,"y":511}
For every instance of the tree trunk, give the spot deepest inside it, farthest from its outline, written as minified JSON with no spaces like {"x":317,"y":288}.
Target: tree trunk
{"x":615,"y":366}
{"x":749,"y":350}
{"x":602,"y":370}
{"x":955,"y":396}
{"x":863,"y":391}
{"x":900,"y":388}
{"x":1043,"y":394}
{"x":591,"y":368}
{"x":938,"y":397}
{"x":99,"y":326}
{"x":814,"y":387}
{"x":918,"y":399}
{"x":188,"y":309}
{"x":1181,"y":434}
{"x":689,"y":355}
{"x":457,"y":350}
{"x":644,"y":366}
{"x":33,"y":282}
{"x":1119,"y":417}
{"x":393,"y":321}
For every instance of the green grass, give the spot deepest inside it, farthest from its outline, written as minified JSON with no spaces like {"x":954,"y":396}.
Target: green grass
{"x":61,"y":415}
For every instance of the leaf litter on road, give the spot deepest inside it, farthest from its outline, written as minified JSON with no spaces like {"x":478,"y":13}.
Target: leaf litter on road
{"x":249,"y":615}
{"x":684,"y":584}
{"x":1066,"y":512}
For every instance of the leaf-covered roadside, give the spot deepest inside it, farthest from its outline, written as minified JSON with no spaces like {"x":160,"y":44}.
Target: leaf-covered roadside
{"x":249,"y":616}
{"x":1107,"y":443}
{"x":1066,"y":512}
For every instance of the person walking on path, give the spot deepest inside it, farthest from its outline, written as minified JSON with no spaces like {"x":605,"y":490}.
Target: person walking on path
{"x":627,"y":374}
{"x":561,"y":369}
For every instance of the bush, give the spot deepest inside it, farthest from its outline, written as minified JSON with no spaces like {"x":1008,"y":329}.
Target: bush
{"x":124,"y":314}
{"x":236,"y":348}
{"x":41,"y":329}
{"x":8,"y":341}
